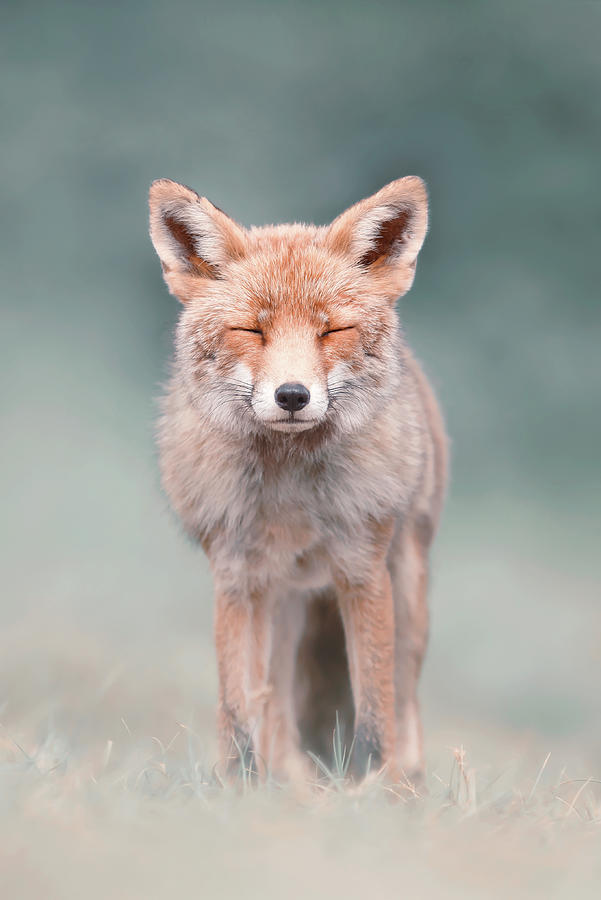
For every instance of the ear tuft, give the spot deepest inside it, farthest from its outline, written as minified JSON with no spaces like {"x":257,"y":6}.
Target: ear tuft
{"x":383,"y":234}
{"x":388,"y":237}
{"x":190,"y":235}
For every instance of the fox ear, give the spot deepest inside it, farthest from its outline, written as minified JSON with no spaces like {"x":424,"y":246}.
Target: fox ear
{"x":384,"y":233}
{"x":191,"y":236}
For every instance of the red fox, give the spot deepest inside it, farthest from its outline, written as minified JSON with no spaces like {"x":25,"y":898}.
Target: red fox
{"x":302,"y":446}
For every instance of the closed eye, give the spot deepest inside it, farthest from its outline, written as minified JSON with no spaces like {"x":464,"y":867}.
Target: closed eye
{"x":248,"y":330}
{"x":337,"y":330}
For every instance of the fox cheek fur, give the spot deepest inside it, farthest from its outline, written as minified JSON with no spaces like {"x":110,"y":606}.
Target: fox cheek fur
{"x":302,"y":446}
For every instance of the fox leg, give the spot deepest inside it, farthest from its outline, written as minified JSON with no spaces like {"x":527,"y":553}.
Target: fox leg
{"x":243,"y":630}
{"x":368,"y":617}
{"x":279,"y":734}
{"x":410,"y":583}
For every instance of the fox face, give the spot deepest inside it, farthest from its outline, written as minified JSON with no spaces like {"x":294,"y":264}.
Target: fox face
{"x":289,"y":328}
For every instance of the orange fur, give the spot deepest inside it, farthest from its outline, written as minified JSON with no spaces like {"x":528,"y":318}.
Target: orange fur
{"x":316,"y":519}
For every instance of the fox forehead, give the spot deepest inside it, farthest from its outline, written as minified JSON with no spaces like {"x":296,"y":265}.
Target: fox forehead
{"x":288,"y":277}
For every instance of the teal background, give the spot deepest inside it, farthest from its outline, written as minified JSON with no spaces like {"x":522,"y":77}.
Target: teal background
{"x":283,"y":111}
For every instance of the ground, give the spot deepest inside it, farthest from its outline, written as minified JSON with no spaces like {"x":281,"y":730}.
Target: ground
{"x":94,"y":807}
{"x":107,"y":737}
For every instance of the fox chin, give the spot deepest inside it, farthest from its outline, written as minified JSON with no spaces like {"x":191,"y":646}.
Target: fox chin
{"x":302,"y":446}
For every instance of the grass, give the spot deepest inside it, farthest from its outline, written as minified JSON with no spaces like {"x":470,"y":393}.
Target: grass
{"x":108,"y":787}
{"x":136,"y":817}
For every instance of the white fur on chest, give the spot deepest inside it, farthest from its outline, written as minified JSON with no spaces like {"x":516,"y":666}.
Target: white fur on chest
{"x":287,"y":524}
{"x":335,"y":495}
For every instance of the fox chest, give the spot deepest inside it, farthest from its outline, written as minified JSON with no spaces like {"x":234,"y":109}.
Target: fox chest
{"x":295,"y":526}
{"x":280,"y":531}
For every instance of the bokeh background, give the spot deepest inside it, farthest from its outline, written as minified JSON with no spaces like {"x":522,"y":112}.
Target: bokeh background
{"x":284,"y":111}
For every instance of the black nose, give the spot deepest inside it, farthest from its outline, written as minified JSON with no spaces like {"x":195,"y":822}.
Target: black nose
{"x":292,"y":397}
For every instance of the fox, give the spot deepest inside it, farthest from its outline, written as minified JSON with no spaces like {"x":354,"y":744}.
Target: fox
{"x":301,"y":445}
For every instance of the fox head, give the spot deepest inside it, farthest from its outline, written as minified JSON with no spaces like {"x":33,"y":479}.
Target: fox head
{"x":291,"y":327}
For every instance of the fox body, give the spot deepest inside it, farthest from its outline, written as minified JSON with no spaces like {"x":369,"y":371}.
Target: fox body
{"x":302,"y":446}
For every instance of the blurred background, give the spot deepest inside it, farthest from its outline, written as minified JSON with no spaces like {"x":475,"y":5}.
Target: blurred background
{"x":282,"y":111}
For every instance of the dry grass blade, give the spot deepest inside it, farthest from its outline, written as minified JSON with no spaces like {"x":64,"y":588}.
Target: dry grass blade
{"x":538,"y":777}
{"x":576,"y":797}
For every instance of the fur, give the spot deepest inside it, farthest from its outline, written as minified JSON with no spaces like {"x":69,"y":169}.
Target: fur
{"x":316,"y":523}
